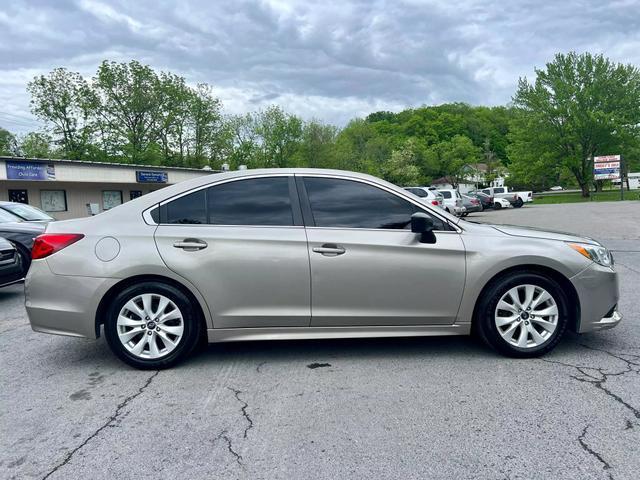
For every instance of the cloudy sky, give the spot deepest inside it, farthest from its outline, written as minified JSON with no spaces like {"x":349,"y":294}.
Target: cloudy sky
{"x":327,"y":60}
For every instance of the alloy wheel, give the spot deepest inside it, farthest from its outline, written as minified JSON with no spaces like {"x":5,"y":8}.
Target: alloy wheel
{"x":526,"y":316}
{"x":150,"y":326}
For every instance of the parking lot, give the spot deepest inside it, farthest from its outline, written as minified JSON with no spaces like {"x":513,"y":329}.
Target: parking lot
{"x":385,"y":408}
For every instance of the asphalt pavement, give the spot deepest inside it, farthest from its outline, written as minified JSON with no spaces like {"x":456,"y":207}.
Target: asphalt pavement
{"x":437,"y":408}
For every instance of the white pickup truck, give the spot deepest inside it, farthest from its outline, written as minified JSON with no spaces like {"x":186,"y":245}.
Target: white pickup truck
{"x":517,"y":199}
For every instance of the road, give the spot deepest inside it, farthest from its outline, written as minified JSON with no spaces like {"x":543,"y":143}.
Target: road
{"x":437,"y":408}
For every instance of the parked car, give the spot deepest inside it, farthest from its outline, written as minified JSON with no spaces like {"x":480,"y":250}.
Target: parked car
{"x":557,"y":188}
{"x":485,"y":200}
{"x":308,"y":253}
{"x":10,"y":263}
{"x":517,"y":199}
{"x":21,"y":234}
{"x":26,"y":212}
{"x":499,"y":203}
{"x":428,"y":195}
{"x":452,"y":201}
{"x":471,"y":204}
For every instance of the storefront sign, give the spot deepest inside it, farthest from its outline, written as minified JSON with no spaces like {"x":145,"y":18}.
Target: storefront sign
{"x":23,"y":170}
{"x":151,"y":177}
{"x":606,"y":167}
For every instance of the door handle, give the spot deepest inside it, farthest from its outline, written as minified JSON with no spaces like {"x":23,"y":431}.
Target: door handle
{"x":329,"y":250}
{"x":191,"y":244}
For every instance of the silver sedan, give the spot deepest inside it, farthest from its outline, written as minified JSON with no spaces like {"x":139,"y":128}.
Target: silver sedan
{"x":307,"y":253}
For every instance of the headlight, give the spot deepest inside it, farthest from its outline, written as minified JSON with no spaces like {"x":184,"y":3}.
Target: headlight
{"x":596,"y":253}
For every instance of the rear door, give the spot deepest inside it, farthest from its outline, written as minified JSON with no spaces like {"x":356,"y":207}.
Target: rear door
{"x":242,"y":244}
{"x":367,"y":267}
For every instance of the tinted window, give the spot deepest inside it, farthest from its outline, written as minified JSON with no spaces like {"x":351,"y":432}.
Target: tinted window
{"x":349,"y":204}
{"x":418,"y":192}
{"x":259,"y":201}
{"x":446,"y":194}
{"x":188,"y":209}
{"x":499,"y":190}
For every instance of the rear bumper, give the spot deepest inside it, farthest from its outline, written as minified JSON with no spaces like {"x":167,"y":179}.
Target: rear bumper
{"x":598,"y":291}
{"x":63,"y":304}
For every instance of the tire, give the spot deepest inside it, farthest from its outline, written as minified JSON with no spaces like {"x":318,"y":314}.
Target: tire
{"x":549,"y":328}
{"x":25,"y":259}
{"x":129,"y":317}
{"x":518,"y":203}
{"x":497,"y":206}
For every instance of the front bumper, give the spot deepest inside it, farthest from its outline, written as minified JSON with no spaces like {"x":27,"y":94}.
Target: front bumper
{"x":63,"y":304}
{"x":598,"y":292}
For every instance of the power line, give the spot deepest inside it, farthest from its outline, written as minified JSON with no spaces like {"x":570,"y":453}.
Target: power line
{"x":18,"y":116}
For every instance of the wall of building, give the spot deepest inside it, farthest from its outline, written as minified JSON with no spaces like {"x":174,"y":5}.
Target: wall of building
{"x":85,"y":183}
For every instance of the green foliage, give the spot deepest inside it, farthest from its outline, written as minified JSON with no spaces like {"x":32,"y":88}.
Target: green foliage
{"x":8,"y":143}
{"x":579,"y":106}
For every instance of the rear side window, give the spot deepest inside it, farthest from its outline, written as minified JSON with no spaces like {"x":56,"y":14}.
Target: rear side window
{"x":258,"y":201}
{"x":446,"y":194}
{"x":488,"y":192}
{"x":418,"y":192}
{"x":350,"y":204}
{"x":188,"y":209}
{"x":499,"y":190}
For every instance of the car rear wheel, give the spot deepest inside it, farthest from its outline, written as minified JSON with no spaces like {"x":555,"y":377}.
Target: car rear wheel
{"x":497,"y":206}
{"x":523,"y":314}
{"x":518,"y":203}
{"x":151,"y":325}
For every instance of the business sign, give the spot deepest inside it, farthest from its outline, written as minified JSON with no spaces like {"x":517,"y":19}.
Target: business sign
{"x":143,"y":176}
{"x":23,"y":170}
{"x":606,"y":167}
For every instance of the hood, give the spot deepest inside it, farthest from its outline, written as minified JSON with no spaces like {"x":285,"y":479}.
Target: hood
{"x":531,"y":232}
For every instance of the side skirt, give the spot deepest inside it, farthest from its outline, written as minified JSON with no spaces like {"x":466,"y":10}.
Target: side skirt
{"x":217,"y":335}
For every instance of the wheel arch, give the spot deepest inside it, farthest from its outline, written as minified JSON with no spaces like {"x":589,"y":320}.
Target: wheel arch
{"x":127,"y":282}
{"x":562,"y":280}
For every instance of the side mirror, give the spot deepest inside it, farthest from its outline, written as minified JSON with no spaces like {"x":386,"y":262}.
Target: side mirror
{"x":423,"y":224}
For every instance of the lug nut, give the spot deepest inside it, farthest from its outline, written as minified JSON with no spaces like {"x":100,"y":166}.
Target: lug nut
{"x":157,"y":329}
{"x":149,"y":332}
{"x":143,"y":326}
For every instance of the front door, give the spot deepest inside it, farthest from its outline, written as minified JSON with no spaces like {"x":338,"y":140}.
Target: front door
{"x":242,"y":244}
{"x":368,"y":268}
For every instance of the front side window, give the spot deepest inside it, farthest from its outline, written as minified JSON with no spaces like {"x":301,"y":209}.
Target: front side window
{"x":445,"y":194}
{"x":499,"y":190}
{"x":351,"y":204}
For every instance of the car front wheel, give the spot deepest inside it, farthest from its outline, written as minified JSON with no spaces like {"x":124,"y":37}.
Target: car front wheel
{"x":523,"y":314}
{"x":151,"y":325}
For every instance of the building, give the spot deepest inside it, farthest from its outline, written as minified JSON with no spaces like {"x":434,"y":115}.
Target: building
{"x":73,"y":188}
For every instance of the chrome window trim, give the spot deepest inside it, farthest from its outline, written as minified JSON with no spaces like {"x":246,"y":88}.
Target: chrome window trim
{"x":146,"y":214}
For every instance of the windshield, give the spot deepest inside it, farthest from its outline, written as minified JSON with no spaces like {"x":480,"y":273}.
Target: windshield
{"x":26,"y":212}
{"x":6,"y":217}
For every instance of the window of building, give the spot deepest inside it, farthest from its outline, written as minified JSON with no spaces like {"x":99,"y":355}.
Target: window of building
{"x":18,"y":196}
{"x":111,"y":198}
{"x":53,"y":200}
{"x":133,"y":194}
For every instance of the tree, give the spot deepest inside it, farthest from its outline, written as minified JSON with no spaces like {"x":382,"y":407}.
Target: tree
{"x":579,"y":106}
{"x":448,"y":159}
{"x":207,"y":137}
{"x":317,"y":145}
{"x":64,"y":100}
{"x":8,"y":143}
{"x":402,"y":168}
{"x":280,"y":133}
{"x":36,"y":145}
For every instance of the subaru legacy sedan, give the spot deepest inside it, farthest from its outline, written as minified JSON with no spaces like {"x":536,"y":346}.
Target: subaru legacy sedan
{"x":306,"y":253}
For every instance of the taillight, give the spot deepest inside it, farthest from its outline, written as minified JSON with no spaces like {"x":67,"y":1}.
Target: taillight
{"x":50,"y":243}
{"x":434,"y":202}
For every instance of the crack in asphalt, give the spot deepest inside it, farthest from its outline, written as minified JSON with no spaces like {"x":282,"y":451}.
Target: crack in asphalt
{"x":259,"y":367}
{"x":108,"y":423}
{"x":223,"y":435}
{"x":592,"y":452}
{"x":245,"y":405}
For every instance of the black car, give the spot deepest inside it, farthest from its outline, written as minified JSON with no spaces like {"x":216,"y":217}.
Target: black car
{"x":485,"y":200}
{"x":25,"y":212}
{"x":10,"y":263}
{"x":21,"y":234}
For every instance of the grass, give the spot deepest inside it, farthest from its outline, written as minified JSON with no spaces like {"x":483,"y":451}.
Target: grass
{"x":606,"y":196}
